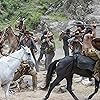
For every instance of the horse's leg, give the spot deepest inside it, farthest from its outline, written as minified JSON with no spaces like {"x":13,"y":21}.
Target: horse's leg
{"x":17,"y":75}
{"x":69,"y":87}
{"x":34,"y":79}
{"x":6,"y":90}
{"x":96,"y":89}
{"x":52,"y":85}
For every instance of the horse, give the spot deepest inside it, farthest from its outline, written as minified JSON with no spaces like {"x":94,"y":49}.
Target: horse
{"x":65,"y":68}
{"x":25,"y":69}
{"x":9,"y":64}
{"x":13,"y":39}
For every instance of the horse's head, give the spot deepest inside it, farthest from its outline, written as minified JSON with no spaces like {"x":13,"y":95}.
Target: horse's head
{"x":27,"y":55}
{"x":8,"y":31}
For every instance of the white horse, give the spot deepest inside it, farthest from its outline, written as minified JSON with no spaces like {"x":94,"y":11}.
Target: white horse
{"x":9,"y":64}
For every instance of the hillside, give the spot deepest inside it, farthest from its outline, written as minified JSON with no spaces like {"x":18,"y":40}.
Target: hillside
{"x":32,"y":10}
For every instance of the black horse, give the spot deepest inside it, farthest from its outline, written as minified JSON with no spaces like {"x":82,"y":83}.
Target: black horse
{"x":65,"y":68}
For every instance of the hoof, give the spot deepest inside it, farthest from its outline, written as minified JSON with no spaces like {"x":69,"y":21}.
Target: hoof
{"x":43,"y":88}
{"x":44,"y":99}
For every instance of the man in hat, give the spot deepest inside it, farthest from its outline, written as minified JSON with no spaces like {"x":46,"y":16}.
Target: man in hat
{"x":77,"y":36}
{"x":49,"y":50}
{"x":29,"y":42}
{"x":65,"y":36}
{"x":43,"y":46}
{"x":79,"y":31}
{"x":46,"y":35}
{"x":96,"y":44}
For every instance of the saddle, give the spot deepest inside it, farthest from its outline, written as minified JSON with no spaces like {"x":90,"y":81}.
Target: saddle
{"x":84,"y":62}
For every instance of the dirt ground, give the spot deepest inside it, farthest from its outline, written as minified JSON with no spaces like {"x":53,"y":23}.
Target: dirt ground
{"x":80,"y":90}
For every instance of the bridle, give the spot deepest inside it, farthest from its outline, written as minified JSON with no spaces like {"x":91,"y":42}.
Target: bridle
{"x":22,"y":56}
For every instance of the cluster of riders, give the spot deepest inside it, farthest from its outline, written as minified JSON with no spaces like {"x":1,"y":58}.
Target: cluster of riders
{"x":89,"y":46}
{"x":83,"y":40}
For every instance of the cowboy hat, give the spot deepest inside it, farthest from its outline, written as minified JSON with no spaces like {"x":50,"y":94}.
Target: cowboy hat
{"x":96,"y":43}
{"x":29,"y":33}
{"x":79,"y":24}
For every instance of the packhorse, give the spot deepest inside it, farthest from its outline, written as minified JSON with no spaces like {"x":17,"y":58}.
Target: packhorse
{"x":9,"y":64}
{"x":13,"y":39}
{"x":65,"y":68}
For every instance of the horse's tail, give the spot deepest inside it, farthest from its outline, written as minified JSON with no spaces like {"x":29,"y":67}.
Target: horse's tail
{"x":50,"y":71}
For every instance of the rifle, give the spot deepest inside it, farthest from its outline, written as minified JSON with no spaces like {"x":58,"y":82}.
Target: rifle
{"x":85,"y":24}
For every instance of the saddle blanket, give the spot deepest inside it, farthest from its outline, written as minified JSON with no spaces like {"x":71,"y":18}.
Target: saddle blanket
{"x":84,"y":62}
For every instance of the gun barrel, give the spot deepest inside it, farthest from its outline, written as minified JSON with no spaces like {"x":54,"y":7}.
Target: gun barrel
{"x":86,"y":24}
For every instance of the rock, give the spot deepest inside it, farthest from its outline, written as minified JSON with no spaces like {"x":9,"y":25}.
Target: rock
{"x":60,"y":89}
{"x":87,"y":82}
{"x":77,"y":80}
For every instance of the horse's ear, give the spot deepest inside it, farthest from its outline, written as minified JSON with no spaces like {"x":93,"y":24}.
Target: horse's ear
{"x":22,"y":47}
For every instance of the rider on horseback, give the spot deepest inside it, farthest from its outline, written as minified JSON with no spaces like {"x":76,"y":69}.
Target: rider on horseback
{"x":90,"y":50}
{"x":77,"y":37}
{"x":96,"y":45}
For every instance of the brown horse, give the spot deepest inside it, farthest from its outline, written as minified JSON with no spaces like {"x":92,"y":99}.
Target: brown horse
{"x":25,"y":69}
{"x":13,"y":39}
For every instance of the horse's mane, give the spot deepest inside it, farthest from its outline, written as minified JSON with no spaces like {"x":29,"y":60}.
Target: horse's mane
{"x":11,"y":56}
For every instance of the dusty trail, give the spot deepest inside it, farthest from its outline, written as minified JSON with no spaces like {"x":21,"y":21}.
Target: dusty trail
{"x":81,"y":90}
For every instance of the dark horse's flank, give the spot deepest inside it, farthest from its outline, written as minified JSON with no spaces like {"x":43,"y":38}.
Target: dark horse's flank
{"x":65,"y":68}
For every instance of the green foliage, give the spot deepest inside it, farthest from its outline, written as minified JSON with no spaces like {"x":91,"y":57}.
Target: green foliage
{"x":33,"y":20}
{"x":15,"y":9}
{"x":31,"y":10}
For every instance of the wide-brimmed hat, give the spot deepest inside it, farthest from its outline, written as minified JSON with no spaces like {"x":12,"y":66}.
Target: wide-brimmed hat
{"x":79,"y":24}
{"x":29,"y":33}
{"x":88,"y":30}
{"x":96,"y":43}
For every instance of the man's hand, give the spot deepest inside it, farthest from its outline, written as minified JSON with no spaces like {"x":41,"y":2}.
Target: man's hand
{"x":93,"y":24}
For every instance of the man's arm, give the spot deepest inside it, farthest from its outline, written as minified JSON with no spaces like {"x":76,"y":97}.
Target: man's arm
{"x":93,"y":29}
{"x":33,"y":42}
